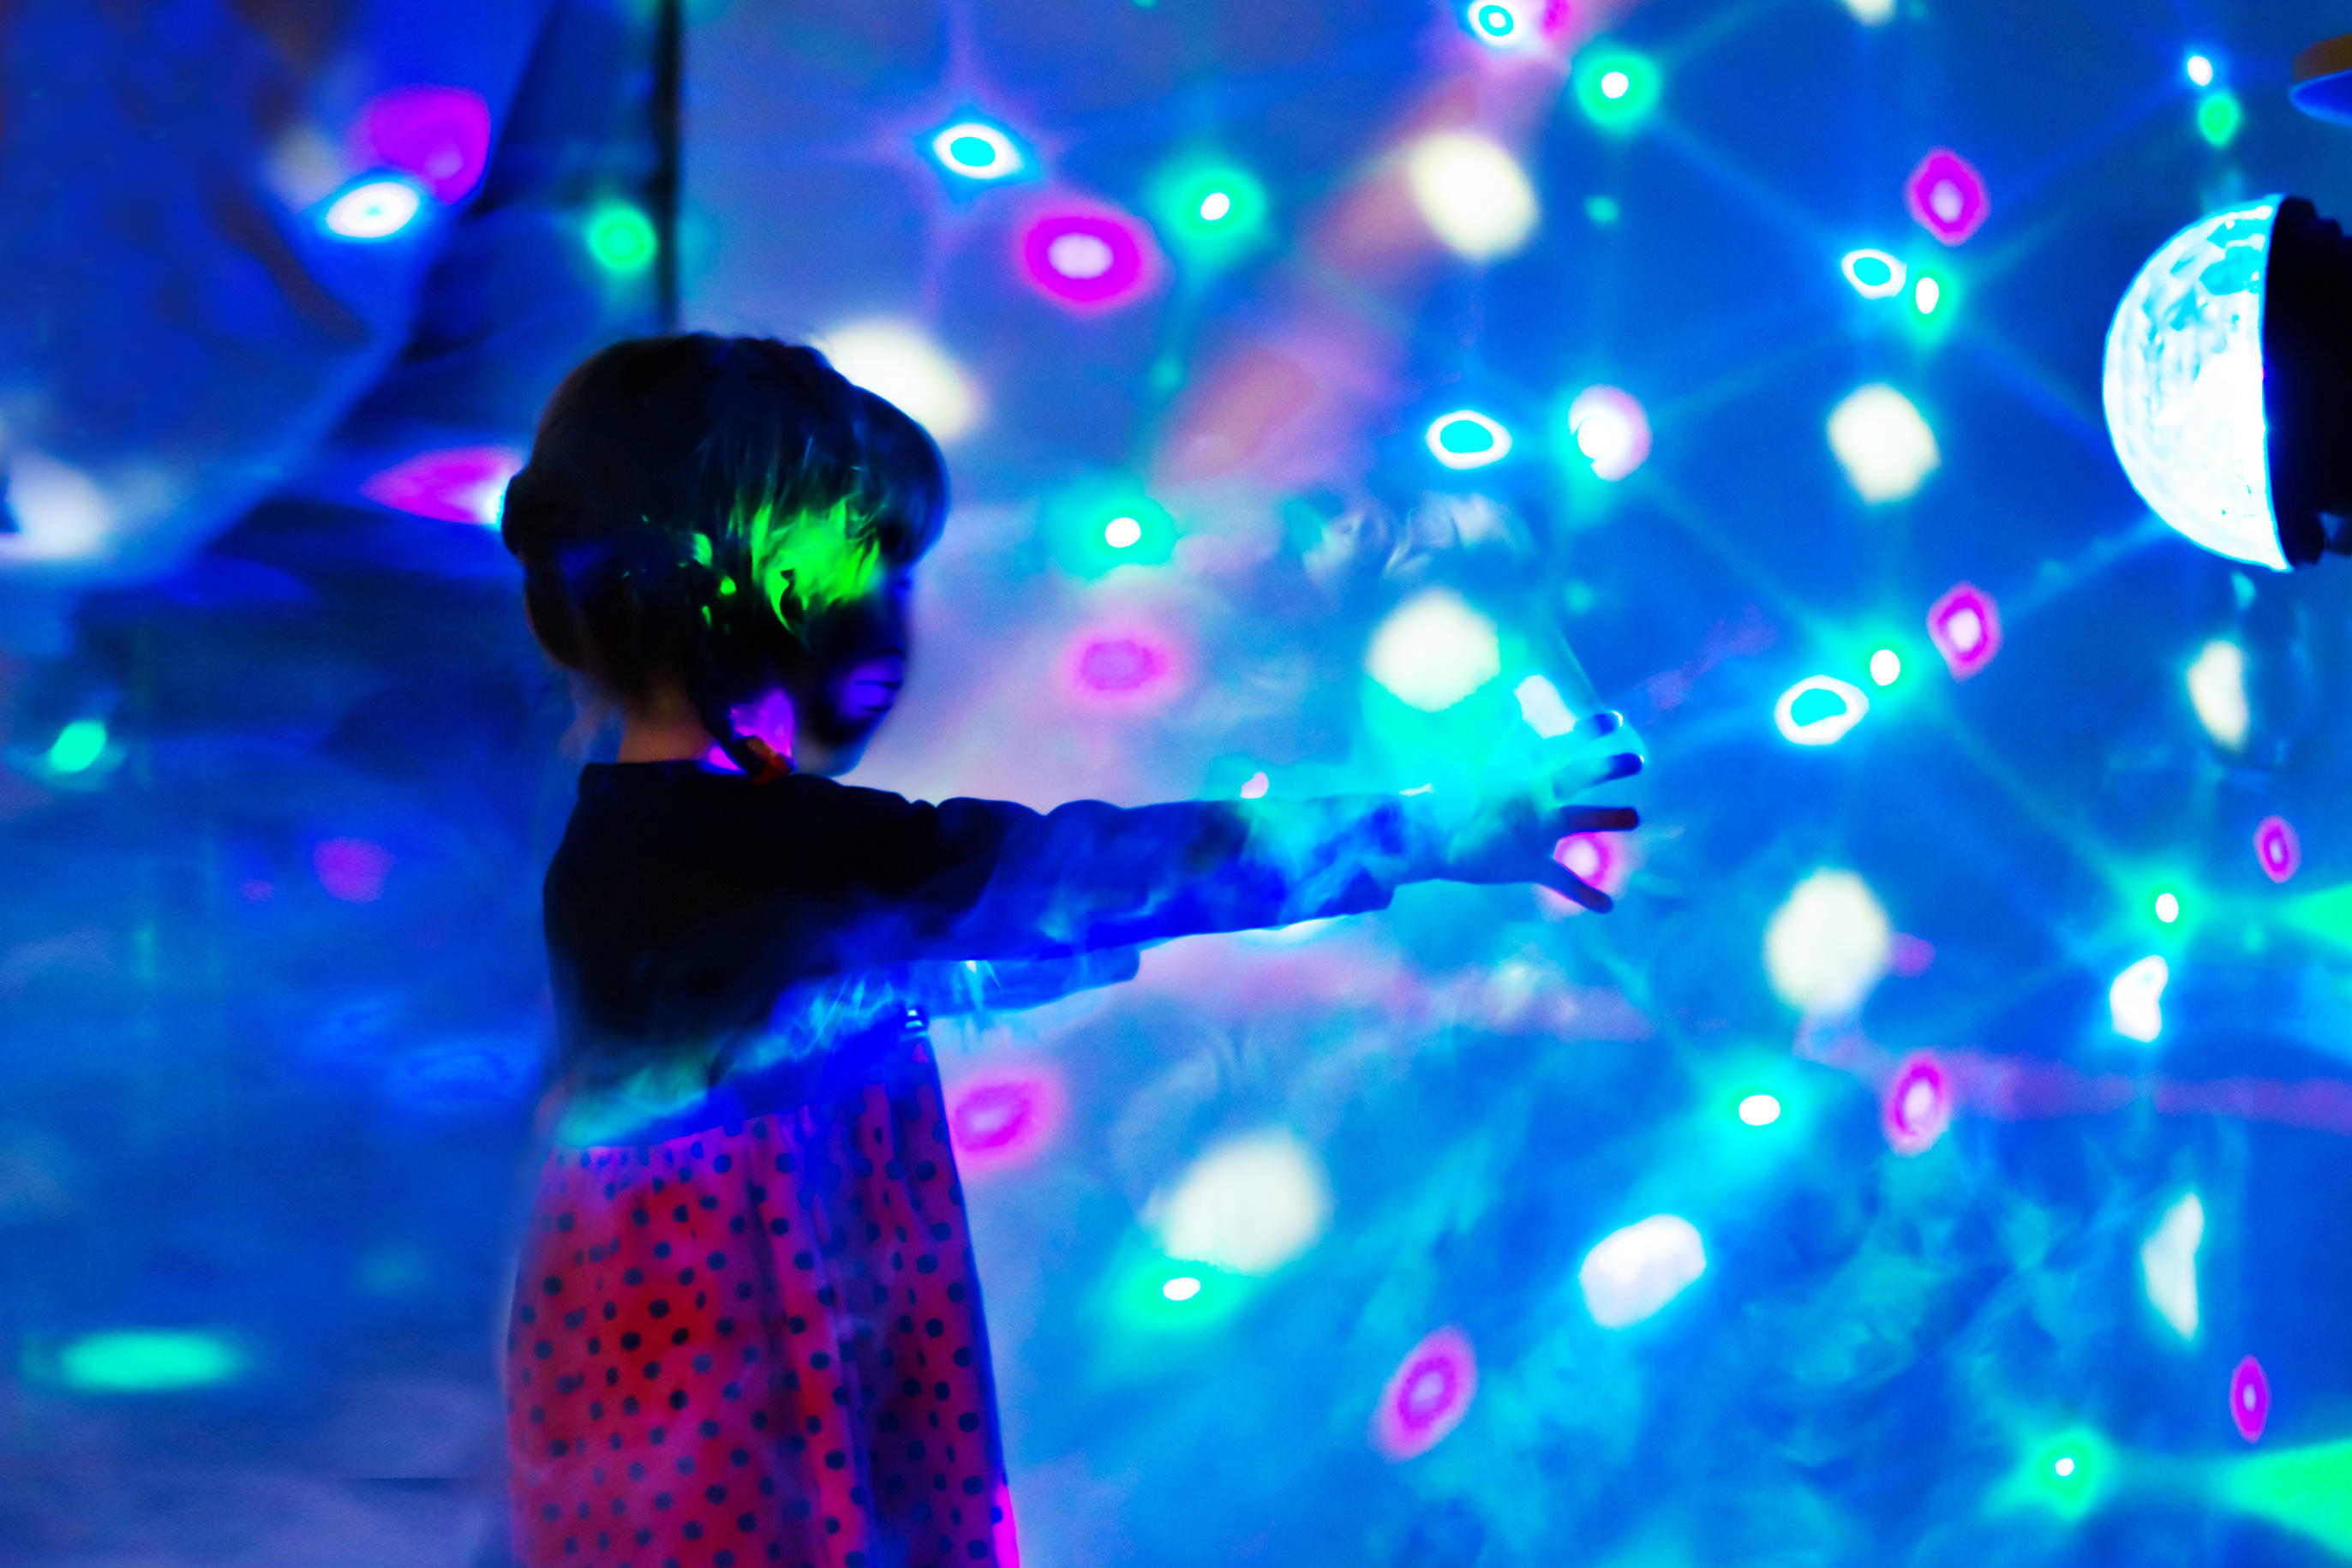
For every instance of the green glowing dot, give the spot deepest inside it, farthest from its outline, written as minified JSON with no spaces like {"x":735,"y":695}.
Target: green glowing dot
{"x":621,"y":238}
{"x":2069,"y":1473}
{"x":1926,"y":295}
{"x":1465,"y":435}
{"x":133,"y":1362}
{"x":1602,"y":210}
{"x":1183,"y":1287}
{"x":1885,"y":667}
{"x":1617,"y":88}
{"x":1212,"y":210}
{"x":1121,"y":531}
{"x":2219,"y":117}
{"x":726,"y":585}
{"x":77,"y":745}
{"x":1216,"y":206}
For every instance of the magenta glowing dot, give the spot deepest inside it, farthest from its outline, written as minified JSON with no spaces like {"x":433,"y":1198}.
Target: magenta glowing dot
{"x":460,"y":484}
{"x":439,"y":136}
{"x":1004,"y":1537}
{"x":2278,"y":847}
{"x":2249,"y":1399}
{"x":1946,"y":196}
{"x":1426,"y":1396}
{"x":1598,"y":859}
{"x":352,"y":870}
{"x":1120,"y":664}
{"x":1004,"y":1117}
{"x":1965,"y":626}
{"x":1917,"y":1107}
{"x":1089,"y":259}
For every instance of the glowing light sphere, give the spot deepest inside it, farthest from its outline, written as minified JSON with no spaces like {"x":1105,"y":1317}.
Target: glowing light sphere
{"x":1926,"y":295}
{"x":2249,"y":1399}
{"x":1254,"y":786}
{"x":1917,"y":1105}
{"x":1965,"y":626}
{"x":1216,"y":207}
{"x":1088,"y":259}
{"x":1472,"y":194}
{"x":1828,"y":944}
{"x":2277,"y":848}
{"x":1604,"y":211}
{"x":621,"y":238}
{"x":2199,"y":69}
{"x":2219,"y":118}
{"x":456,"y":484}
{"x":1121,"y":665}
{"x":2167,"y":1265}
{"x":1760,"y":1110}
{"x":1598,"y":859}
{"x":352,"y":870}
{"x":1946,"y":196}
{"x":439,"y":136}
{"x":1467,"y":438}
{"x":1634,"y":1273}
{"x":1885,"y":667}
{"x":976,"y":150}
{"x":1004,"y":1117}
{"x":1883,"y":443}
{"x":1248,"y":1205}
{"x":77,"y":747}
{"x":1211,"y":209}
{"x":1610,"y":430}
{"x":1427,"y":1396}
{"x":1542,"y":708}
{"x":901,"y":361}
{"x":1874,"y":274}
{"x":1616,"y":89}
{"x":1871,"y":13}
{"x":2183,"y":384}
{"x":2069,"y":1473}
{"x":1183,"y":1287}
{"x":1434,"y":650}
{"x":2217,"y":690}
{"x":147,"y":1361}
{"x":1826,"y":729}
{"x":2136,"y":1000}
{"x":1501,"y":23}
{"x":2167,"y":908}
{"x":1120,"y":533}
{"x":377,"y":208}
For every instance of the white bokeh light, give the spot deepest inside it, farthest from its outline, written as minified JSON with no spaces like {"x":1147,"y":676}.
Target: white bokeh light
{"x":1829,"y":944}
{"x":1434,"y":650}
{"x":2183,"y":384}
{"x":1542,"y":707}
{"x":897,"y":360}
{"x":1471,"y":194}
{"x":2217,"y":689}
{"x":1610,"y":430}
{"x":1633,"y":1273}
{"x":2167,"y":1265}
{"x":1249,"y":1205}
{"x":377,"y":209}
{"x":1883,"y":443}
{"x":2135,"y":1001}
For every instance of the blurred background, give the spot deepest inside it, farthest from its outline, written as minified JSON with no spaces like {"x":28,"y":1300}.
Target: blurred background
{"x":1937,"y":1158}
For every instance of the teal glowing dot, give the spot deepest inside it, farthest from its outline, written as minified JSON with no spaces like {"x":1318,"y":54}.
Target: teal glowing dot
{"x":1121,"y":531}
{"x":1212,"y":211}
{"x":976,"y":150}
{"x":146,"y":1361}
{"x":1183,"y":1287}
{"x":621,"y":238}
{"x":1216,"y":206}
{"x":2219,"y":116}
{"x":971,"y":151}
{"x":1602,"y":210}
{"x":1467,"y":438}
{"x":1874,"y":274}
{"x":2167,"y":907}
{"x":1616,"y":88}
{"x":2070,"y":1474}
{"x":77,"y":745}
{"x":1615,"y":84}
{"x":1885,"y":667}
{"x":1496,"y":21}
{"x":1760,"y":1110}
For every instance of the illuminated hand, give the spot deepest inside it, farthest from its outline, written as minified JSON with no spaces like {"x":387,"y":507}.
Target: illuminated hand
{"x":1509,"y":837}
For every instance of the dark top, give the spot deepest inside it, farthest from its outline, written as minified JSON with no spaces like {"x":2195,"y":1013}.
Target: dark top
{"x":688,"y":909}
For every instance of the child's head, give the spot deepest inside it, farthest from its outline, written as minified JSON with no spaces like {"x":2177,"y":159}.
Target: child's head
{"x":726,"y":518}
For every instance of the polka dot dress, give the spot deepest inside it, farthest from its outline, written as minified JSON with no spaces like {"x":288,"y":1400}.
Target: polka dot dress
{"x":758,"y":1344}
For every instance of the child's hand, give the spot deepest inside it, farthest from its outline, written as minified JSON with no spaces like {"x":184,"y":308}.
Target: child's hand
{"x":1510,"y":836}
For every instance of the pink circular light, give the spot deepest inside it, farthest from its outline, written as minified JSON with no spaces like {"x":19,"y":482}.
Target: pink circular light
{"x":1946,"y":196}
{"x":1917,"y":1107}
{"x":1004,"y":1117}
{"x":352,"y":870}
{"x":1965,"y":626}
{"x":2278,"y":847}
{"x":1122,"y":666}
{"x":2249,"y":1399}
{"x":439,"y":136}
{"x":1426,"y":1396}
{"x":1091,"y":259}
{"x":459,"y":484}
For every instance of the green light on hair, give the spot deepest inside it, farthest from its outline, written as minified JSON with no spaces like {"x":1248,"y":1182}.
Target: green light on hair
{"x":811,"y":561}
{"x":2219,"y":118}
{"x":77,"y":745}
{"x":700,"y":545}
{"x":1617,"y":88}
{"x":137,"y":1361}
{"x":621,"y":238}
{"x":2307,"y":1489}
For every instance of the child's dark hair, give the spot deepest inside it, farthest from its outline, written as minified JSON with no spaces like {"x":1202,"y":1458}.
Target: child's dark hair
{"x":693,"y":503}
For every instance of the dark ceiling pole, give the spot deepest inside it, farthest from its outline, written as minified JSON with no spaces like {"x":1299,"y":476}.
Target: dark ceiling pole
{"x":662,"y":189}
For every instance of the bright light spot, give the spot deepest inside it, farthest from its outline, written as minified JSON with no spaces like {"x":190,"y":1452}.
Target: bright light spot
{"x":2219,"y":116}
{"x":439,"y":134}
{"x":1183,"y":1287}
{"x":1086,"y":258}
{"x":1874,"y":274}
{"x":1249,"y":1206}
{"x":1616,"y":89}
{"x":1254,"y":786}
{"x":374,"y":209}
{"x":1434,"y":650}
{"x":2167,"y":1265}
{"x":899,"y":360}
{"x":2249,"y":1399}
{"x":1499,"y":24}
{"x":1828,"y":728}
{"x":2217,"y":689}
{"x":78,"y":746}
{"x":1120,"y":664}
{"x":1080,"y":256}
{"x":2167,"y":908}
{"x":1760,"y":1110}
{"x":1215,"y":206}
{"x":1883,"y":443}
{"x":458,"y":484}
{"x":1603,"y":210}
{"x":1471,"y":193}
{"x":1946,"y":196}
{"x":1003,"y":1116}
{"x":1467,"y":438}
{"x":1885,"y":667}
{"x":2278,"y":849}
{"x":1636,"y":1271}
{"x":2064,"y":1466}
{"x":1597,"y":859}
{"x":2135,"y":1000}
{"x":352,"y":870}
{"x":1871,"y":13}
{"x":1828,"y":944}
{"x":59,"y":511}
{"x":1426,"y":1396}
{"x":1611,"y":429}
{"x":977,"y":151}
{"x":622,"y":238}
{"x":1121,"y":531}
{"x":1964,"y":623}
{"x":1927,"y":295}
{"x":1542,"y":707}
{"x":2199,"y":69}
{"x":148,"y":1362}
{"x":1917,"y":1105}
{"x":1615,"y":84}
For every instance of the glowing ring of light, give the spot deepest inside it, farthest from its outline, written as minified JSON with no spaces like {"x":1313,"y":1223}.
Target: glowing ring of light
{"x":1478,"y":459}
{"x":374,"y":209}
{"x":1004,"y":157}
{"x":1897,"y":274}
{"x":1826,"y":732}
{"x":1511,"y":34}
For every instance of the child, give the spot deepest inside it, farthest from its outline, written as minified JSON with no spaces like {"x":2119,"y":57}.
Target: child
{"x":747,"y":1326}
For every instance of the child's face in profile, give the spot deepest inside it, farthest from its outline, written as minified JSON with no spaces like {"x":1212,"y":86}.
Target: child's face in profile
{"x":834,"y":699}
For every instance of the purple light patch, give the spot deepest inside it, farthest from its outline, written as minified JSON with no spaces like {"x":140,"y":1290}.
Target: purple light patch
{"x":1965,"y":626}
{"x":461,"y":484}
{"x":1092,"y":260}
{"x":1004,"y":1117}
{"x":352,"y":870}
{"x":2249,"y":1399}
{"x":439,"y":136}
{"x":1119,"y":664}
{"x":1426,"y":1396}
{"x":2278,"y":847}
{"x":1918,"y":1105}
{"x":1911,"y":955}
{"x":1946,"y":196}
{"x":1002,"y":1535}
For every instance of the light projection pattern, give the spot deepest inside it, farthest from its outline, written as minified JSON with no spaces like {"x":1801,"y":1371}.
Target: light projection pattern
{"x":1946,"y":196}
{"x":2167,"y":1265}
{"x":1883,"y":444}
{"x":1467,"y":438}
{"x":1609,"y":430}
{"x":2217,"y":690}
{"x":2249,"y":1399}
{"x":1617,"y":88}
{"x":977,"y":150}
{"x":1434,"y":650}
{"x":1874,"y":274}
{"x":1829,"y":944}
{"x":1917,"y":1105}
{"x":2135,"y":999}
{"x":374,"y":209}
{"x":1089,"y":260}
{"x":1426,"y":1397}
{"x":1248,"y":1205}
{"x":1472,"y":194}
{"x":1630,"y":1275}
{"x":2278,"y":849}
{"x":900,"y":360}
{"x":1542,"y":708}
{"x":1004,"y":1116}
{"x":1825,"y":725}
{"x":1964,"y":623}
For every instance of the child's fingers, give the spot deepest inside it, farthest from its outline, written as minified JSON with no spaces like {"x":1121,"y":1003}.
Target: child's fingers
{"x":1598,"y":819}
{"x":1568,"y":885}
{"x":1578,"y":777}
